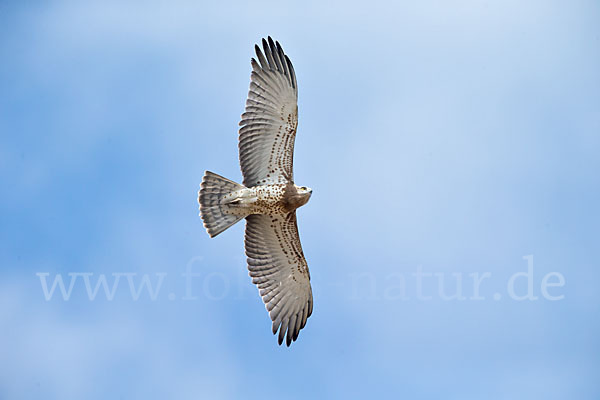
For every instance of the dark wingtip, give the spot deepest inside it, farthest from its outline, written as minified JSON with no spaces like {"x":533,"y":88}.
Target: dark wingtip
{"x":280,"y":50}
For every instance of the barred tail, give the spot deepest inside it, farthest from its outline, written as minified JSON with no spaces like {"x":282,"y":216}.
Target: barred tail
{"x":214,"y":214}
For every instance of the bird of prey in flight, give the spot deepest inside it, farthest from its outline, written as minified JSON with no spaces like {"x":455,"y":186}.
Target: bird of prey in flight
{"x":269,"y":197}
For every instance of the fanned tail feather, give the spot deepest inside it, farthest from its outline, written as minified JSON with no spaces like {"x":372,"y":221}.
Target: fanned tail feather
{"x":212,"y":210}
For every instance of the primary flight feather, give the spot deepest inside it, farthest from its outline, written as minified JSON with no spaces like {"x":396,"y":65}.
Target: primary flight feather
{"x":268,"y":198}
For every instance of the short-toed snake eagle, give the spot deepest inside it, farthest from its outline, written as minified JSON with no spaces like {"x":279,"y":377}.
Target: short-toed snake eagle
{"x":269,"y":198}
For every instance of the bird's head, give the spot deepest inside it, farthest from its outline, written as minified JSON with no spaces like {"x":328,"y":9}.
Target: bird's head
{"x":303,"y":190}
{"x":304,"y":194}
{"x":296,"y":196}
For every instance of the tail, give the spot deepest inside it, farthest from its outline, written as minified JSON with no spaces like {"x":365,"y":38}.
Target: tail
{"x":213,"y":212}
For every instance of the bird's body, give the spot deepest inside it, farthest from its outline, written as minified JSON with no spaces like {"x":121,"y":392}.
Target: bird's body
{"x":274,"y":199}
{"x":268,"y":199}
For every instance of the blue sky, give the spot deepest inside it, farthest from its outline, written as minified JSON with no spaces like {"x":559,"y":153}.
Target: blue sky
{"x":452,"y":138}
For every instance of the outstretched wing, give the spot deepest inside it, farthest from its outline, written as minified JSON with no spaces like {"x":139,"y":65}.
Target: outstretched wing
{"x":268,"y":125}
{"x":278,"y":267}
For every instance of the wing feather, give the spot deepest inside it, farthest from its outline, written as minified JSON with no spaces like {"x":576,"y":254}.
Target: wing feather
{"x":277,"y":265}
{"x":268,"y":125}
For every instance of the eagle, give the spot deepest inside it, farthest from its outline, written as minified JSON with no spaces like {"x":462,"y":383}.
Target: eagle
{"x":268,"y":198}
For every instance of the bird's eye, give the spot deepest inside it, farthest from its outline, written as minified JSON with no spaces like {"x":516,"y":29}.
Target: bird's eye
{"x":303,"y":188}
